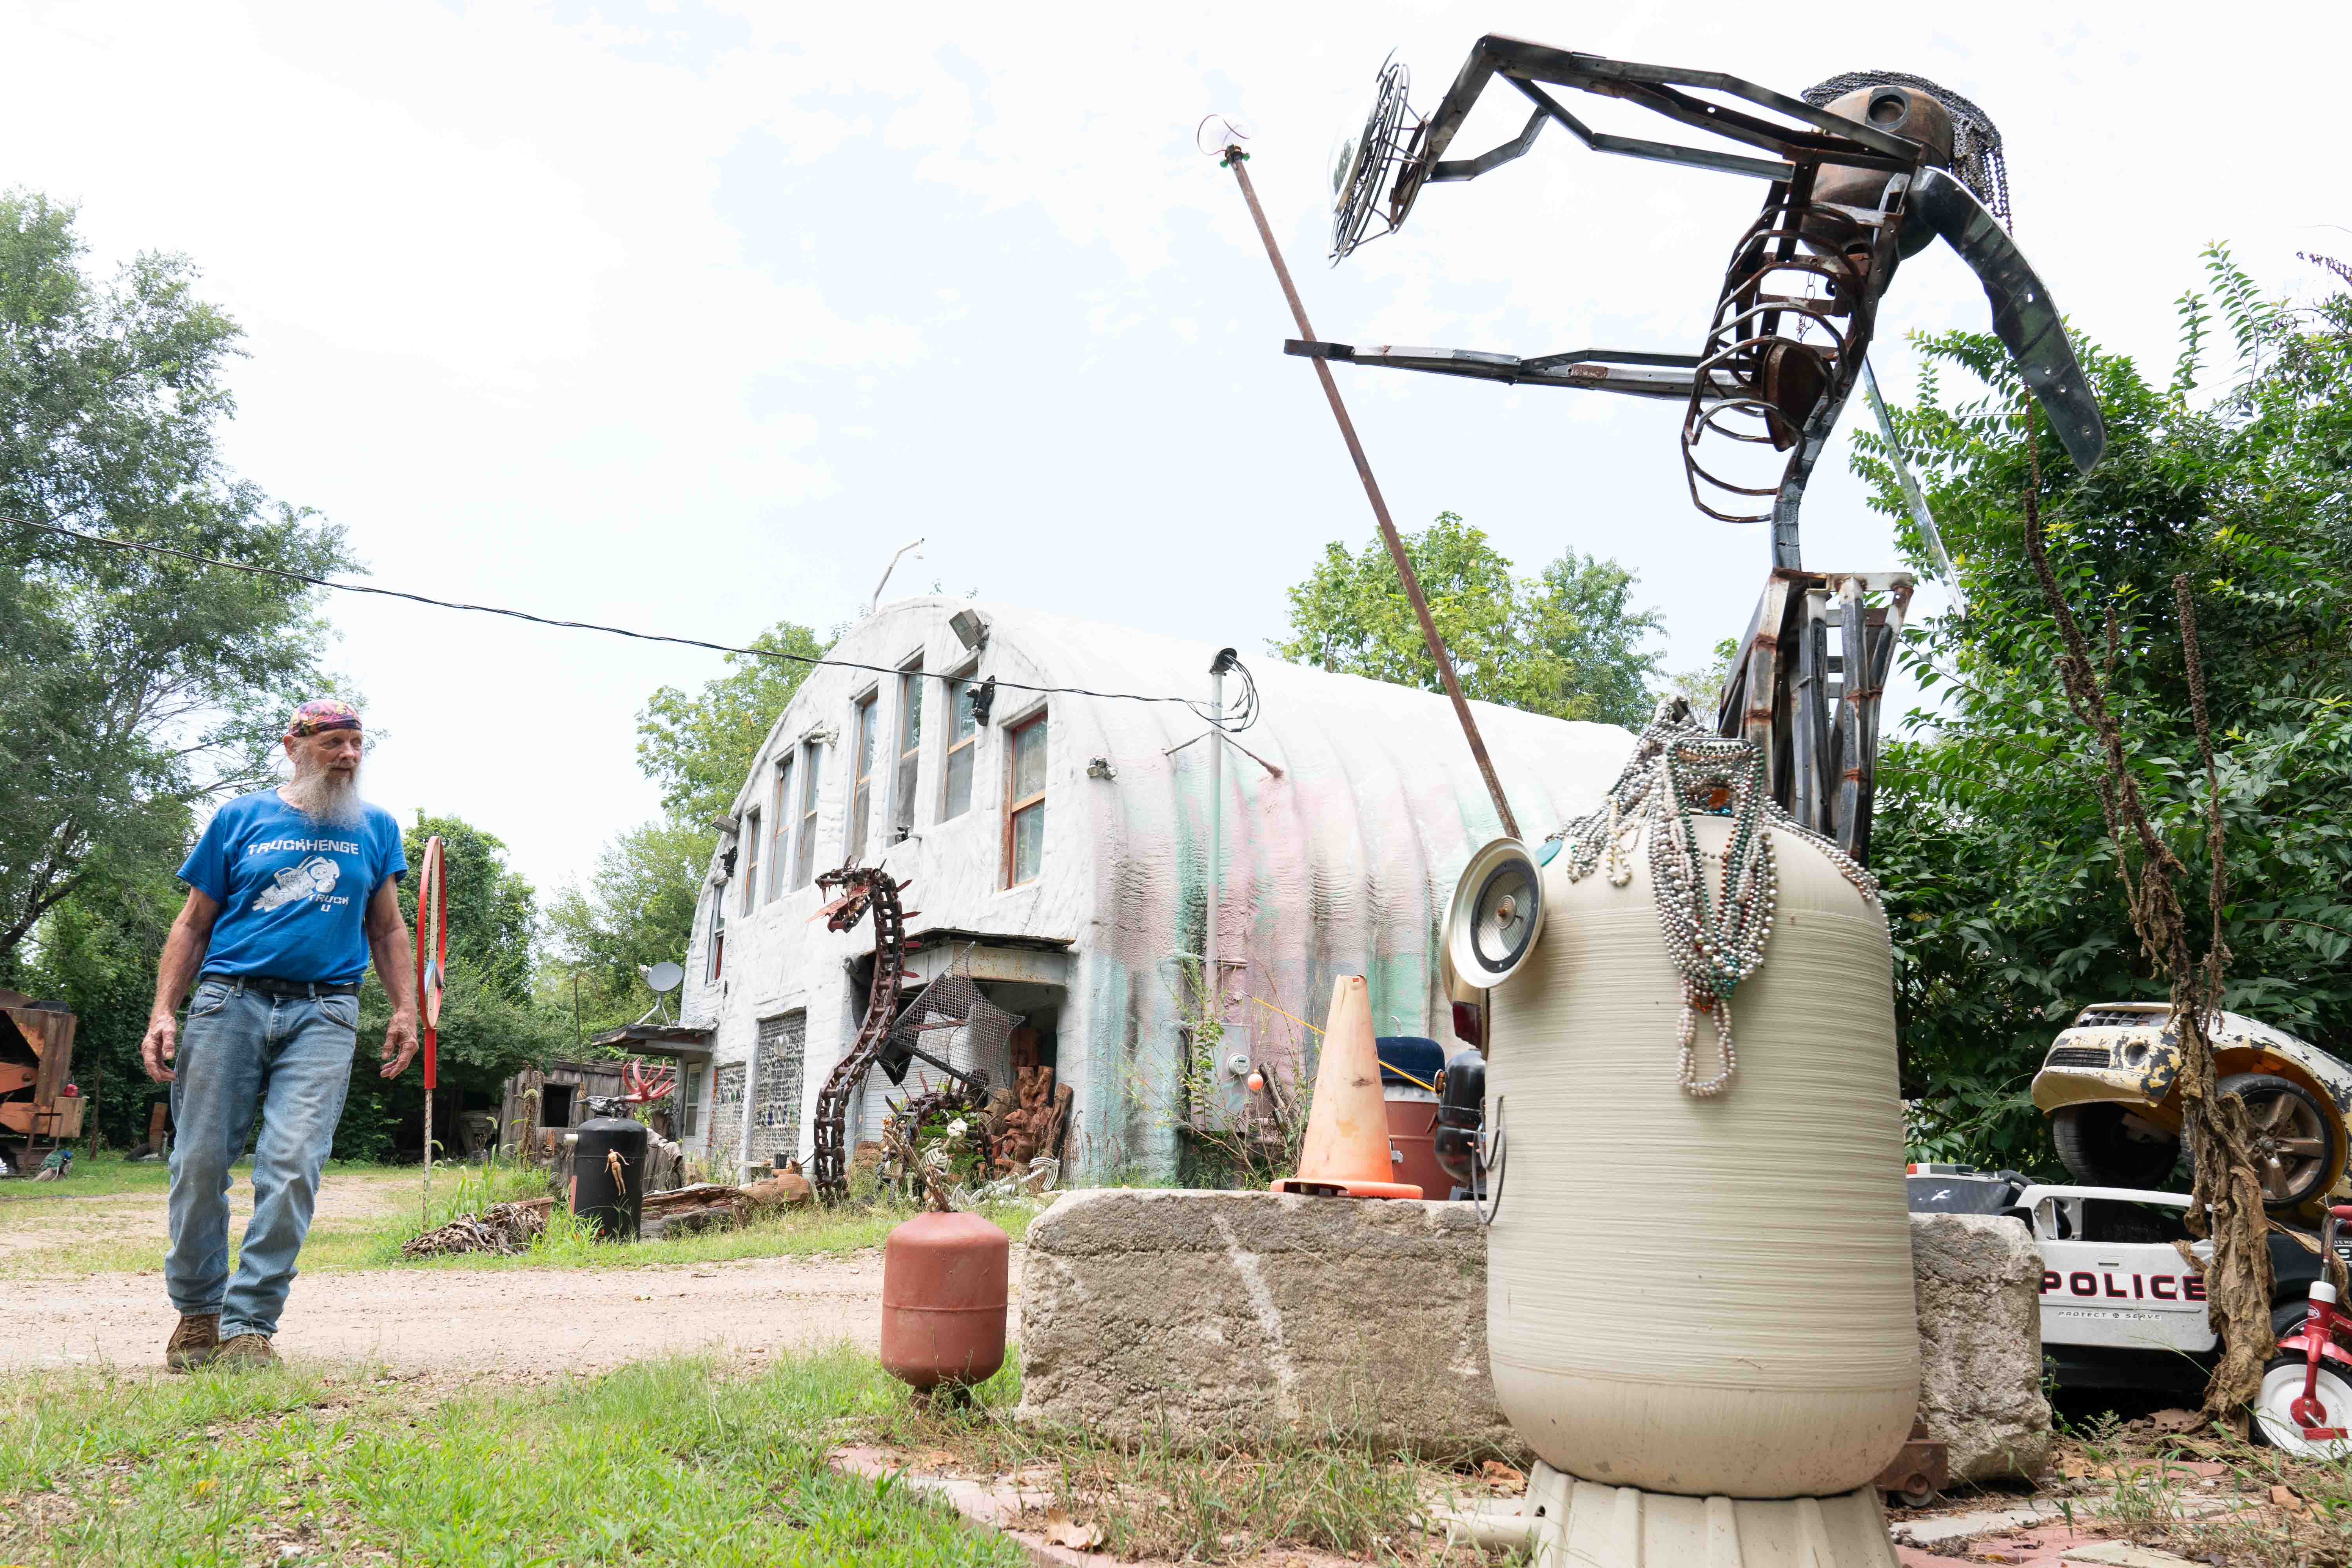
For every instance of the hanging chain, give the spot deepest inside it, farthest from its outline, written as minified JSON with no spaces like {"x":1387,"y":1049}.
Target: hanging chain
{"x":1717,"y":926}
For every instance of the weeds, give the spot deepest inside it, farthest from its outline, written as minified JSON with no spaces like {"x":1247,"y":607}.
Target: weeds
{"x":2267,"y":1509}
{"x":1187,"y":1502}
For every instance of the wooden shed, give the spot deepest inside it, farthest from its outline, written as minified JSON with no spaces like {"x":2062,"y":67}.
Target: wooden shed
{"x":35,"y":1070}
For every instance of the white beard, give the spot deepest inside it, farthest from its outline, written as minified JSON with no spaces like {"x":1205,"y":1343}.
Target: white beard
{"x":325,"y":795}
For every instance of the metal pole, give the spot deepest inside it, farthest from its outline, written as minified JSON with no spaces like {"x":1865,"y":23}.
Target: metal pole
{"x":1234,"y":159}
{"x":1215,"y":990}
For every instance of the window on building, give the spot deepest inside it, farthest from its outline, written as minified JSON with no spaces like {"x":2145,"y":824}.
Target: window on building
{"x":555,"y":1105}
{"x":963,"y":745}
{"x":689,"y":1099}
{"x":861,"y":774}
{"x":910,"y":745}
{"x":751,"y":871}
{"x":804,"y":847}
{"x":1024,"y":802}
{"x":779,"y":865}
{"x":718,"y":930}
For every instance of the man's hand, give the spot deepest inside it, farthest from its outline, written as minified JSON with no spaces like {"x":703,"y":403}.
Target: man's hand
{"x":162,"y":1044}
{"x":400,"y":1043}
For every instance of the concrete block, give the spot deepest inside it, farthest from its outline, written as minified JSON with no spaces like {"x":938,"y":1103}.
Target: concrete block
{"x":1978,"y":1284}
{"x":1201,"y":1313}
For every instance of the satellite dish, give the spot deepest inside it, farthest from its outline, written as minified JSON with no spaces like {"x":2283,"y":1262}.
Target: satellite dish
{"x":664,"y":977}
{"x":1497,"y":914}
{"x":1365,"y":166}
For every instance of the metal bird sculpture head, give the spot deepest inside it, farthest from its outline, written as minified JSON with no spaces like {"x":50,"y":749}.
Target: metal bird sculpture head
{"x":1860,"y":173}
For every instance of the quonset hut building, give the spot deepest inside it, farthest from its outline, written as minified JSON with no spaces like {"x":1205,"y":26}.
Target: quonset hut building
{"x":1058,"y":855}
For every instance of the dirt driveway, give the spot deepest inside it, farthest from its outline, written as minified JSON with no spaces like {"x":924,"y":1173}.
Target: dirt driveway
{"x":504,"y":1319}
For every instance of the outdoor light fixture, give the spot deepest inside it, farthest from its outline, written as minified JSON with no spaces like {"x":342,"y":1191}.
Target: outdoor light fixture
{"x":971,"y":628}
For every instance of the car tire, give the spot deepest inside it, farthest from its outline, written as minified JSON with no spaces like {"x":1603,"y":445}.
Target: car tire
{"x":2098,"y":1151}
{"x":2272,"y":1425}
{"x":2296,"y":1144}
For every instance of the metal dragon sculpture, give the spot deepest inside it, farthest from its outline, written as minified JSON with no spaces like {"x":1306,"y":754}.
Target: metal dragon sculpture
{"x":864,"y":888}
{"x":1864,"y":171}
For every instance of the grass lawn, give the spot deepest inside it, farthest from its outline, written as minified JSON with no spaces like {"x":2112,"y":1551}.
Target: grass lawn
{"x":111,"y":1176}
{"x":397,"y":1210}
{"x":671,"y":1461}
{"x":665,"y":1462}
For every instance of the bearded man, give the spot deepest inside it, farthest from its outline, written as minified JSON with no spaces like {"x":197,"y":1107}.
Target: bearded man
{"x":289,"y":891}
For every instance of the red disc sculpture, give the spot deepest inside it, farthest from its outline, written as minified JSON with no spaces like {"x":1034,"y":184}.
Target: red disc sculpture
{"x":945,"y":1279}
{"x":431,"y":961}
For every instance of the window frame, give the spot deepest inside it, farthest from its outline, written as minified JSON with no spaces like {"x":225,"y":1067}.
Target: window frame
{"x":780,"y":833}
{"x":907,"y":759}
{"x":811,"y":788}
{"x":716,"y":958}
{"x":749,"y":875}
{"x":959,"y":689}
{"x":858,"y":780}
{"x":689,"y":1100}
{"x":1017,"y":808}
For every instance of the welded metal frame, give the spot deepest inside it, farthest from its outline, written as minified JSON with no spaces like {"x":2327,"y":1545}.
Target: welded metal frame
{"x":1726,"y":384}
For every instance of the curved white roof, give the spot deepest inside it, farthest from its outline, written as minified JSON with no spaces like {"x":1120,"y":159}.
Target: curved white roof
{"x":1340,"y":864}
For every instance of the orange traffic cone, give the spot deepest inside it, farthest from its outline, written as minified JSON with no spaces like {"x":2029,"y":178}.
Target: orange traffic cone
{"x":1346,"y":1152}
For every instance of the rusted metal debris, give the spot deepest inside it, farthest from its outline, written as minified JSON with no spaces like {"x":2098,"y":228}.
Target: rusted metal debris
{"x":1811,"y":706}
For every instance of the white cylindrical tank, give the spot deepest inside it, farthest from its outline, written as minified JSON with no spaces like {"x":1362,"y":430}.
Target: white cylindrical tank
{"x":1709,"y":1296}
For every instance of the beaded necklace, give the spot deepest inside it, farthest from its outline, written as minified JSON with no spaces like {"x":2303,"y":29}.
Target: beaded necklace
{"x":1679,"y":772}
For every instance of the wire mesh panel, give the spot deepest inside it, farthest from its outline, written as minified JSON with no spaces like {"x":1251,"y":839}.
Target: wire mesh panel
{"x":776,"y":1091}
{"x":952,"y":1020}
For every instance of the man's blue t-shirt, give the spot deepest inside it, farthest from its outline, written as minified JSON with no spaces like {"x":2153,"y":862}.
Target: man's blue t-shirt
{"x":292,"y":891}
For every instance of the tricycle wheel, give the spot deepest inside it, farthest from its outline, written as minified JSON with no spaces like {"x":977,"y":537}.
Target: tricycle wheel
{"x":2274,"y":1425}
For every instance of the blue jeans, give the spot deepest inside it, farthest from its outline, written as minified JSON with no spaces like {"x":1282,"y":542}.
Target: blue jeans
{"x":244,"y":1051}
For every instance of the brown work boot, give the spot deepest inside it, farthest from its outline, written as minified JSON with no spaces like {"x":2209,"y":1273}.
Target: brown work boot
{"x":196,"y":1342}
{"x":245,"y":1351}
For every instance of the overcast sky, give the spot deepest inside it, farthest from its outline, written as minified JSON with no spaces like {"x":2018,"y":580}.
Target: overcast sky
{"x":687,"y":316}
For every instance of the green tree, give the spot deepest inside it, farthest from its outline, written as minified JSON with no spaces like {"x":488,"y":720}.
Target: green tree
{"x":698,"y":747}
{"x":1999,"y":876}
{"x":132,"y":687}
{"x":636,"y":910}
{"x":1565,"y":643}
{"x":491,"y":1025}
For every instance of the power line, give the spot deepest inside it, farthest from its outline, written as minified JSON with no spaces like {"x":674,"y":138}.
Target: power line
{"x":136,"y":546}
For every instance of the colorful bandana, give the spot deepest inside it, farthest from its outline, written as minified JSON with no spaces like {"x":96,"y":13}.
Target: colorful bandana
{"x":326,"y":713}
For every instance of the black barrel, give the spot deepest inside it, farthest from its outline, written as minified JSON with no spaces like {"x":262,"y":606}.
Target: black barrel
{"x":1461,"y":1117}
{"x":608,"y":1168}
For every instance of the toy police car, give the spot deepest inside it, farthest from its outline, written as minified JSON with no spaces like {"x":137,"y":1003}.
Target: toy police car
{"x":2120,"y":1307}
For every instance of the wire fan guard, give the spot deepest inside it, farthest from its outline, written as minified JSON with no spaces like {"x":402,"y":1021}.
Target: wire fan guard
{"x":1496,"y":915}
{"x":1367,"y":164}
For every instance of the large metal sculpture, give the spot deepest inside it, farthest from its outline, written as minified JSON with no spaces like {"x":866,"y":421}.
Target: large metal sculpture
{"x":1738,"y":1413}
{"x":881,"y":1040}
{"x":1864,"y":170}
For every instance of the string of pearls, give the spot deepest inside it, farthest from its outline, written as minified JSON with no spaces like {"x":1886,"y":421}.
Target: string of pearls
{"x":1714,"y":913}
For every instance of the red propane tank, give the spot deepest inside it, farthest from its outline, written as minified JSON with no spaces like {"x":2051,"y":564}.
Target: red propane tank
{"x":944,"y":1287}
